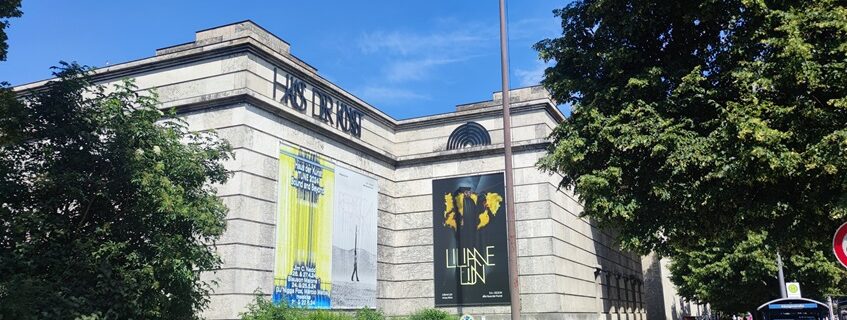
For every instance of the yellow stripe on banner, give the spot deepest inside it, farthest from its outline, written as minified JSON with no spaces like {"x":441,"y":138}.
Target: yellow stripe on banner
{"x":304,"y":226}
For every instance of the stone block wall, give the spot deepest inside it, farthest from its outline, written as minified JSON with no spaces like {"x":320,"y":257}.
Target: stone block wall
{"x":247,"y":247}
{"x":559,"y":252}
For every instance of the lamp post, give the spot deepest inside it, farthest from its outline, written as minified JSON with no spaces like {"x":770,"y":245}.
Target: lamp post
{"x":514,"y":288}
{"x":781,"y":276}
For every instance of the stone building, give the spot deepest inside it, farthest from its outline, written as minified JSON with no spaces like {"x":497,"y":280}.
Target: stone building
{"x":237,"y":78}
{"x":662,"y":301}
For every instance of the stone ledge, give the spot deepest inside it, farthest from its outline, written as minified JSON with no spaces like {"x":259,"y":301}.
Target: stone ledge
{"x":480,"y":151}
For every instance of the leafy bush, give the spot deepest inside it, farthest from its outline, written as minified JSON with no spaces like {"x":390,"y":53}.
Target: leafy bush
{"x":431,"y":314}
{"x":325,"y":315}
{"x":369,"y":314}
{"x":264,"y":309}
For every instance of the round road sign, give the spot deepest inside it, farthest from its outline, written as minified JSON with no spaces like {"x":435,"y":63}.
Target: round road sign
{"x":793,"y":290}
{"x":839,"y":244}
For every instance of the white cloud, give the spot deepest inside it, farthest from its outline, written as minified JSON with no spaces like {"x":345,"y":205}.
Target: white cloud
{"x":414,"y":56}
{"x":380,"y":94}
{"x":403,"y":43}
{"x":406,"y":70}
{"x":532,"y":76}
{"x":535,"y":29}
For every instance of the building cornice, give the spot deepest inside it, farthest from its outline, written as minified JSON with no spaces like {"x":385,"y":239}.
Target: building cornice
{"x":247,"y":45}
{"x":472,"y":152}
{"x":251,"y":98}
{"x":232,"y":47}
{"x":263,"y":45}
{"x":246,"y":96}
{"x":470,"y":115}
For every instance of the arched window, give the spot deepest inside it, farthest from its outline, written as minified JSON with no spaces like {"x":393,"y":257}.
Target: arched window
{"x":470,"y":134}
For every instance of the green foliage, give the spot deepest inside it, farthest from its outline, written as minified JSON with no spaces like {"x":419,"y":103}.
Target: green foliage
{"x":747,"y":264}
{"x":106,"y":208}
{"x":326,"y":315}
{"x":8,"y":9}
{"x":716,"y":272}
{"x":712,"y":132}
{"x":264,"y":309}
{"x":369,"y":314}
{"x":431,"y":314}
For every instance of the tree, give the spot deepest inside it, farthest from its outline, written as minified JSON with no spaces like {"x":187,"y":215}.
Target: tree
{"x":8,"y":9}
{"x":106,"y":208}
{"x":705,"y":129}
{"x":720,"y":271}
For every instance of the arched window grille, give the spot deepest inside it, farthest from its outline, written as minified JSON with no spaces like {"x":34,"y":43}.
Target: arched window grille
{"x":470,"y":134}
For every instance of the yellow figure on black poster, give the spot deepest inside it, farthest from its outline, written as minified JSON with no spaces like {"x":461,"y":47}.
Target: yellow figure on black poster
{"x":303,"y":259}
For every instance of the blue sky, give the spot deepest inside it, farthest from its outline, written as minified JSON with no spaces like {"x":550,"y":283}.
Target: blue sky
{"x":407,"y":58}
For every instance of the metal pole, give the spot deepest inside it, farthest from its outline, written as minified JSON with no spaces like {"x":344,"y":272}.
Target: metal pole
{"x":831,"y":307}
{"x":782,"y":292}
{"x":514,"y":287}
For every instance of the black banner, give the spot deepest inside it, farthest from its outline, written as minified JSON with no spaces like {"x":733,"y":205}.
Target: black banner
{"x":469,"y":241}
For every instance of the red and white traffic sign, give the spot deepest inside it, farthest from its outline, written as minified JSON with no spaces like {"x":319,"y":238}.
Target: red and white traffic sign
{"x":839,"y":244}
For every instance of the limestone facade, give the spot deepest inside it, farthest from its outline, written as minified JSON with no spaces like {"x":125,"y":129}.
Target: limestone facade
{"x":663,"y":302}
{"x":224,"y":81}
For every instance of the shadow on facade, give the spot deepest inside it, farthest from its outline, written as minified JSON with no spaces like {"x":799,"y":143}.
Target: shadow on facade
{"x":654,"y":304}
{"x":618,"y":279}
